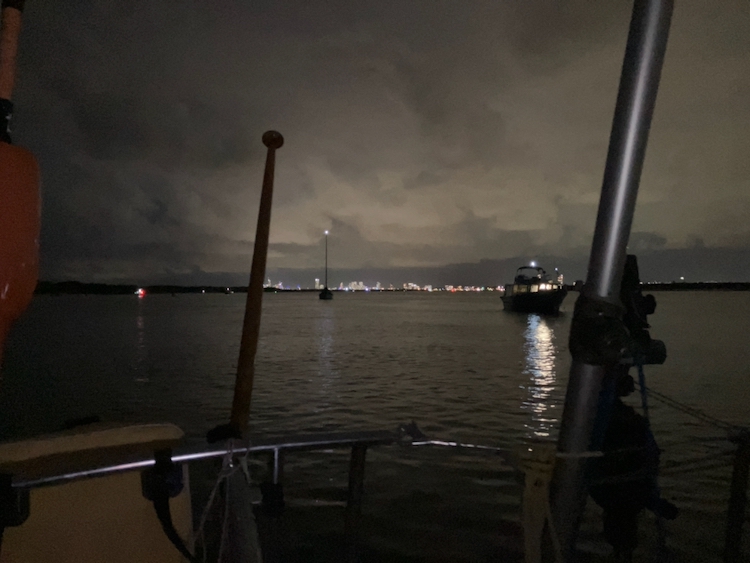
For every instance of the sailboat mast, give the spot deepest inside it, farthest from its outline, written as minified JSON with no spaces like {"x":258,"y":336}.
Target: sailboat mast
{"x":243,"y":387}
{"x":326,"y":273}
{"x":597,"y":331}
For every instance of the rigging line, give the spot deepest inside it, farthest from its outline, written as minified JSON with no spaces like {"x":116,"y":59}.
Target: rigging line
{"x":703,"y":466}
{"x":692,"y":411}
{"x":225,"y":520}
{"x":707,"y":457}
{"x":687,"y":409}
{"x":696,"y":468}
{"x":226,"y":470}
{"x":657,"y":488}
{"x":641,"y":474}
{"x":675,"y":470}
{"x":637,"y":475}
{"x":644,"y":394}
{"x":693,"y":441}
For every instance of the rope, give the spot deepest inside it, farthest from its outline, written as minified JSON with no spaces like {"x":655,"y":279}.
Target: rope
{"x":224,"y":528}
{"x":692,"y":464}
{"x":644,"y":392}
{"x":693,"y":441}
{"x":661,"y":534}
{"x":228,"y":468}
{"x":692,"y":411}
{"x":711,"y":460}
{"x":708,"y":457}
{"x":678,"y":469}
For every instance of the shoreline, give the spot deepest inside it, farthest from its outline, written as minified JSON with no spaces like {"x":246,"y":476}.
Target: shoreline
{"x":81,"y":288}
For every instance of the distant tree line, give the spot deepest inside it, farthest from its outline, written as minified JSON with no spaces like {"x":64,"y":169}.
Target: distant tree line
{"x":81,"y":288}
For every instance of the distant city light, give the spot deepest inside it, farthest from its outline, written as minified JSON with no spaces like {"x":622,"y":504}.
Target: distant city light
{"x":140,"y":292}
{"x":356,"y":286}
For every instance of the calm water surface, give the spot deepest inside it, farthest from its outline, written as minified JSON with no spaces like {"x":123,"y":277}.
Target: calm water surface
{"x":455,"y":363}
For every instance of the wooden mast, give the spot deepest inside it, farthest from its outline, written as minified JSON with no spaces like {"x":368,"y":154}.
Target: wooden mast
{"x":243,"y":389}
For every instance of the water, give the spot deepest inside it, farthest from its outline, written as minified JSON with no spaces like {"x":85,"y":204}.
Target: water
{"x":453,"y":362}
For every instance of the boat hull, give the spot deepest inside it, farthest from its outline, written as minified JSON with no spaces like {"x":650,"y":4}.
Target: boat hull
{"x":326,"y":294}
{"x":543,"y":302}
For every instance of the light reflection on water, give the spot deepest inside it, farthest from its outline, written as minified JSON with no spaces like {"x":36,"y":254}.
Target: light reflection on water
{"x":141,"y":349}
{"x":539,"y":367}
{"x":325,"y":327}
{"x":326,"y":356}
{"x":457,"y":364}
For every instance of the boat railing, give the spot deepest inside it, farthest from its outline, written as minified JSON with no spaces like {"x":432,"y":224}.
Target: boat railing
{"x":407,"y":435}
{"x":274,"y":446}
{"x":272,"y":500}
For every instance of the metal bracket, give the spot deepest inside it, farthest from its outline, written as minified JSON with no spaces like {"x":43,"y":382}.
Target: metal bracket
{"x":597,"y":334}
{"x":14,"y":503}
{"x":164,"y":475}
{"x":6,"y":112}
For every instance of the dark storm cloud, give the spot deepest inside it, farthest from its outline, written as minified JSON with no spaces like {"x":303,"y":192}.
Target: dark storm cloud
{"x":425,"y":178}
{"x":640,"y":242}
{"x":168,"y":132}
{"x":422,"y":134}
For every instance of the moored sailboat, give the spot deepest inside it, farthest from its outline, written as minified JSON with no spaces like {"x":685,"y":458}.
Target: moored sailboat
{"x":326,"y":294}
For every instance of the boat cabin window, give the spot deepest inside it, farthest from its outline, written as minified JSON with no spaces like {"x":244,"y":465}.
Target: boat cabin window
{"x":534,"y":288}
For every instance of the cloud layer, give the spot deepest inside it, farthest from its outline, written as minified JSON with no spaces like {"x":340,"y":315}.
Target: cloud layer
{"x":421,"y":134}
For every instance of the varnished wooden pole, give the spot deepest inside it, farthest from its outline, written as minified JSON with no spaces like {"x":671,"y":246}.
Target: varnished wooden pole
{"x":10,"y":29}
{"x":243,"y":388}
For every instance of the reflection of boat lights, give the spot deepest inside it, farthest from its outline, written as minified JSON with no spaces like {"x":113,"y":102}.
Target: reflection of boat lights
{"x":140,"y":292}
{"x":540,"y":366}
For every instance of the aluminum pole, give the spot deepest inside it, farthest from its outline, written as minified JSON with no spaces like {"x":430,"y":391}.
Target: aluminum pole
{"x":639,"y":82}
{"x":326,"y":276}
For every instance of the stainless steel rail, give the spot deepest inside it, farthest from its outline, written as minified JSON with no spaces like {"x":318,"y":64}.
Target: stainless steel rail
{"x":359,"y":441}
{"x":272,"y":445}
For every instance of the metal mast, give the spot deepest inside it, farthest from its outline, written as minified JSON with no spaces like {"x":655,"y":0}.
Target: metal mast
{"x":598,"y":336}
{"x":326,"y":274}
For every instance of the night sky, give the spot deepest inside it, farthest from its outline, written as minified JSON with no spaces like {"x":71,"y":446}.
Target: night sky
{"x":439,"y":141}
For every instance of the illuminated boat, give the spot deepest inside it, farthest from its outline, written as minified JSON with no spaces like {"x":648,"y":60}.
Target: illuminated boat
{"x":533,"y":291}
